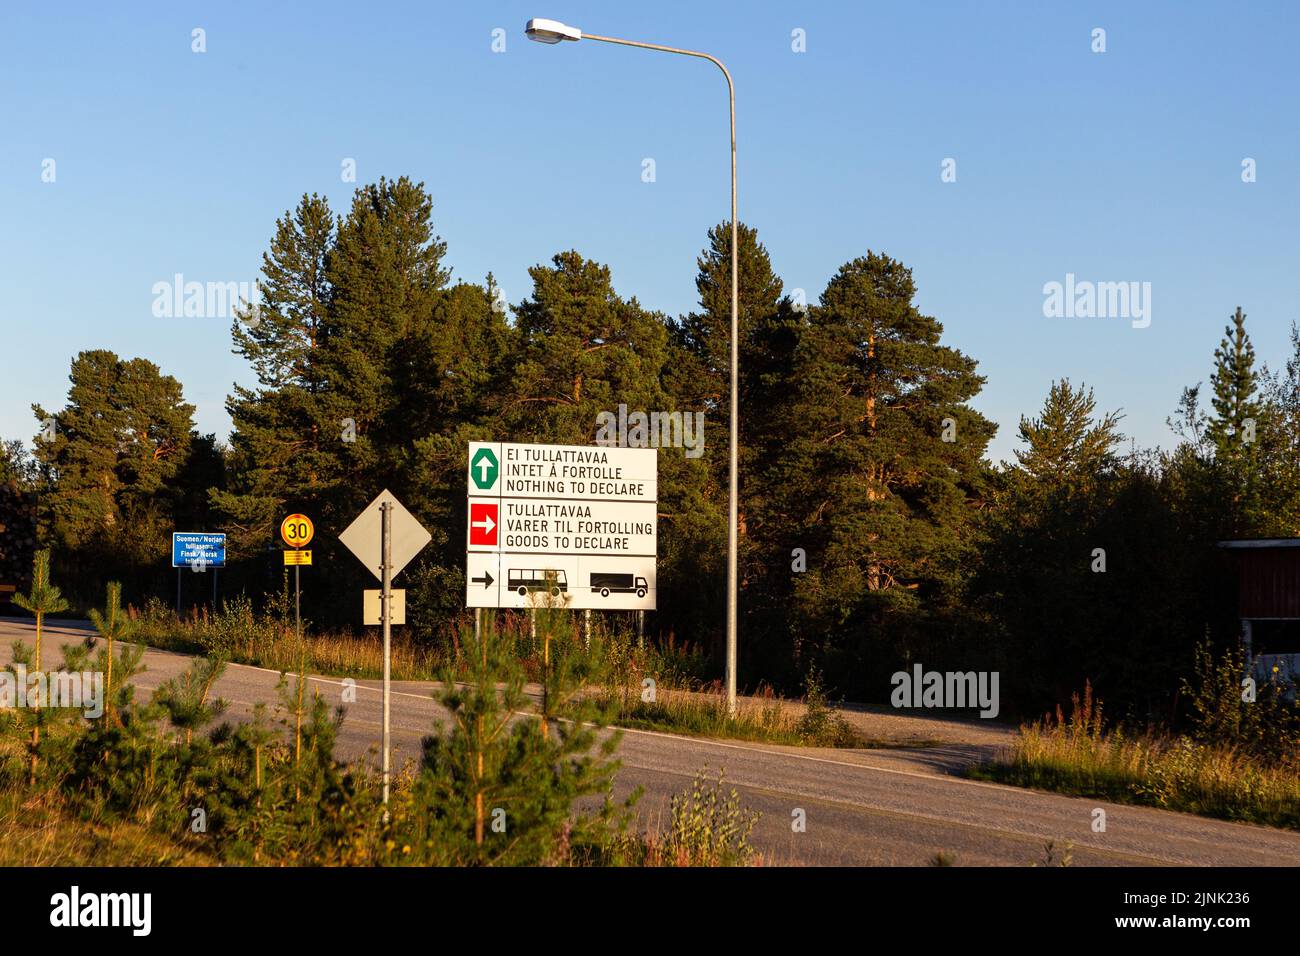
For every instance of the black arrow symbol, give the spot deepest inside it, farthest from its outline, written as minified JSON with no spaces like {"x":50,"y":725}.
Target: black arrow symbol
{"x":486,"y":579}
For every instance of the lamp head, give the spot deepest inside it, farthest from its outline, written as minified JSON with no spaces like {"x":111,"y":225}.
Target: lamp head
{"x":551,"y":31}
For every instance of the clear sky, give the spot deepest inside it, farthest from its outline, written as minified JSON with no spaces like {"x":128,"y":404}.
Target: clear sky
{"x":1117,"y":166}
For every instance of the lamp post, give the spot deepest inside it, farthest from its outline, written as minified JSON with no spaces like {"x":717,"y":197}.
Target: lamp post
{"x":552,"y":31}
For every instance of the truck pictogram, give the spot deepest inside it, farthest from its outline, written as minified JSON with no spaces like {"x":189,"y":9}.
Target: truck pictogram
{"x":608,"y":582}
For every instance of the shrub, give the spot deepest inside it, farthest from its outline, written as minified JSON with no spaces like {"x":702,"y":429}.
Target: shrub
{"x":708,"y":827}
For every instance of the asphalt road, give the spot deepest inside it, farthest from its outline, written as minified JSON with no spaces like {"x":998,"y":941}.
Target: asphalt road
{"x":862,"y":807}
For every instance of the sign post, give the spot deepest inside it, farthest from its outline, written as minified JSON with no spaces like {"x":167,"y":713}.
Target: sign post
{"x":198,"y":551}
{"x":297,"y":531}
{"x":385,"y":537}
{"x":385,"y":612}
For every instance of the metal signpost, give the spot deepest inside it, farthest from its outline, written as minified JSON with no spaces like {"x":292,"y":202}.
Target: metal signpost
{"x":568,"y":525}
{"x":198,"y":551}
{"x":297,"y":531}
{"x":385,"y":537}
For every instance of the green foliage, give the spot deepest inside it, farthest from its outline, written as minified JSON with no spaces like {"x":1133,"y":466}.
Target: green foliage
{"x":708,"y":826}
{"x":19,"y":483}
{"x":42,"y":598}
{"x":186,"y":698}
{"x":1267,"y":727}
{"x":820,"y":725}
{"x":1081,"y":755}
{"x":497,"y":789}
{"x":118,"y":450}
{"x":1067,"y":445}
{"x":880,"y":502}
{"x":1239,"y":421}
{"x":859,"y":449}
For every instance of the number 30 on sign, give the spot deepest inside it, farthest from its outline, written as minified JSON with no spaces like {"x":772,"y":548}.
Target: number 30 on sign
{"x":297,"y":530}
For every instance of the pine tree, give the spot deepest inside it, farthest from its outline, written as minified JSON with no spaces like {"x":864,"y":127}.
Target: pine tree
{"x":346,"y":314}
{"x":457,"y":364}
{"x":187,"y":698}
{"x":1235,"y":427}
{"x":387,"y":276}
{"x":882,"y":458}
{"x":699,"y":377}
{"x":1282,"y":445}
{"x":113,"y":626}
{"x":114,"y":458}
{"x":497,"y":790}
{"x":1067,"y":444}
{"x":19,"y":488}
{"x":583,"y":351}
{"x":360,"y":356}
{"x":43,"y":598}
{"x":706,"y":335}
{"x":283,"y":443}
{"x":700,"y":373}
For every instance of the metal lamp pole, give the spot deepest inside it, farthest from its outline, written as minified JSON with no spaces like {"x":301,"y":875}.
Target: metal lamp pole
{"x":552,"y":31}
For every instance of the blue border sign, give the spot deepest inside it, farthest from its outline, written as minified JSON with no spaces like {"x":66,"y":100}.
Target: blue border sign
{"x":198,"y":550}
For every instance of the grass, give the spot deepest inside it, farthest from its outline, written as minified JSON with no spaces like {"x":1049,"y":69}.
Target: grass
{"x":239,"y":635}
{"x":683,"y":703}
{"x":704,"y":714}
{"x":1079,"y":757}
{"x":41,"y":831}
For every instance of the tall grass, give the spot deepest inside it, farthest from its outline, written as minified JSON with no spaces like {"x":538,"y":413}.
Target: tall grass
{"x":703,"y":713}
{"x":237,"y":633}
{"x":1078,"y":755}
{"x":684,"y":700}
{"x":47,"y":832}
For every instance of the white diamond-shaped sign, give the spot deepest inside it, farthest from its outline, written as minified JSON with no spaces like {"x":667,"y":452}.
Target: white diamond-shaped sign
{"x":363,"y":537}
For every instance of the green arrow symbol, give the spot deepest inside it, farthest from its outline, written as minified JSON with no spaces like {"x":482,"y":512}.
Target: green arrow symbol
{"x":483,"y":468}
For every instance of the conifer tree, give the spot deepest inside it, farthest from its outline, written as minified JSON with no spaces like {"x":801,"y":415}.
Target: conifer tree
{"x":706,"y":334}
{"x":494,"y":789}
{"x":700,"y":374}
{"x":699,"y":377}
{"x":1235,"y":428}
{"x":113,"y":626}
{"x":1282,"y":441}
{"x":19,"y":484}
{"x":116,"y":449}
{"x":43,"y":598}
{"x":1067,"y":444}
{"x":882,"y":458}
{"x":387,"y":276}
{"x":283,"y":442}
{"x":187,"y":698}
{"x":583,"y":351}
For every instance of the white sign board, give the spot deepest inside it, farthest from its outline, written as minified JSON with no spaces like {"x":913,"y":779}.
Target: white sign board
{"x":568,"y":525}
{"x":372,"y":605}
{"x":363,"y":536}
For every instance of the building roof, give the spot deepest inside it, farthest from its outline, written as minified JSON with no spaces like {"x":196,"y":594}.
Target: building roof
{"x":1261,"y":543}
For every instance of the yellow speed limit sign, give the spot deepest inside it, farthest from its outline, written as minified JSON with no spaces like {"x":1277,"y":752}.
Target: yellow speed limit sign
{"x":297,"y":531}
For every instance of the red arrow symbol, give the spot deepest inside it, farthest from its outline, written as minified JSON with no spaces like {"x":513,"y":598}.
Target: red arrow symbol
{"x":483,"y":524}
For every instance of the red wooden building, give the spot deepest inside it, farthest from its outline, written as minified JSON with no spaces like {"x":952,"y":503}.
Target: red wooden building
{"x":1268,"y":603}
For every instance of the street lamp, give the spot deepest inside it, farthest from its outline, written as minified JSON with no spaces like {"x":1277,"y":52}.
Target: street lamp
{"x":553,"y":31}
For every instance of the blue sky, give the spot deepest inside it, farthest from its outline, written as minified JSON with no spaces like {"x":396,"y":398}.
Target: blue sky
{"x":1115,"y":166}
